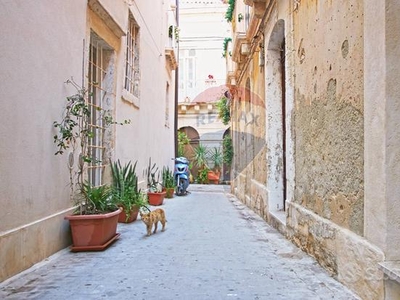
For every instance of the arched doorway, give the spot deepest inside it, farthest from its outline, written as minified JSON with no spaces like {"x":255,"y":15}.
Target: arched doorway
{"x":194,"y":138}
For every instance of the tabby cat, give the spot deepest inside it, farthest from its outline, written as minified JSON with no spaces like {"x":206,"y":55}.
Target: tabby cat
{"x":153,"y":217}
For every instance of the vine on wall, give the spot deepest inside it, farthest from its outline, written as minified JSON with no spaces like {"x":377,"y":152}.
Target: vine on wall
{"x":229,"y":11}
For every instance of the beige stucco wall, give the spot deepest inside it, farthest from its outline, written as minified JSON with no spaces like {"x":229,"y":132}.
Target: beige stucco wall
{"x":150,"y":134}
{"x":42,"y":46}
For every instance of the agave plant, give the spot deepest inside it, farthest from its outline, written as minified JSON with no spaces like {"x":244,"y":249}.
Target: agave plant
{"x":215,"y":155}
{"x":168,"y":180}
{"x":125,"y":190}
{"x":96,"y":199}
{"x":153,"y":177}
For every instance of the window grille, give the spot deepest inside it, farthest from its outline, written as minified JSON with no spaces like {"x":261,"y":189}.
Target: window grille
{"x":132,"y":74}
{"x":98,"y":87}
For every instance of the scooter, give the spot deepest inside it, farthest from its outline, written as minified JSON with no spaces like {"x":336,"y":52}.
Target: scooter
{"x":181,"y":175}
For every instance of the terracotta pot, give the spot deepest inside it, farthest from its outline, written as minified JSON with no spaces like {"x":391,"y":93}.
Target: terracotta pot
{"x":93,"y":232}
{"x":156,"y":199}
{"x":132,"y":216}
{"x":169,"y":192}
{"x":212,"y":177}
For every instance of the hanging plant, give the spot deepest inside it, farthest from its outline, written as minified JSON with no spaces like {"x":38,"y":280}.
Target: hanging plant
{"x":225,"y":46}
{"x":229,"y":11}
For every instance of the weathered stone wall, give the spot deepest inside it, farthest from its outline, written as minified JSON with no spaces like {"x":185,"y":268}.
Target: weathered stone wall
{"x":324,"y":83}
{"x":329,"y":110}
{"x":347,"y":256}
{"x":248,"y":123}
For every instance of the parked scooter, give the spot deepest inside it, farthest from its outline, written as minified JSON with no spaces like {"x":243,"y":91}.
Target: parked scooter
{"x":181,"y":175}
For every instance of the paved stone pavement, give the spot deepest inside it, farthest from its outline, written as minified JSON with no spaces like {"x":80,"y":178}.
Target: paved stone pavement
{"x":213,"y":248}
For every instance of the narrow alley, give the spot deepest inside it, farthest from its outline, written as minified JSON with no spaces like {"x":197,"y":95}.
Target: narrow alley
{"x":214,"y":247}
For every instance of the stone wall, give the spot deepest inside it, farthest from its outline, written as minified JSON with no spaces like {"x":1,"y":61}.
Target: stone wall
{"x":347,"y":256}
{"x":329,"y":123}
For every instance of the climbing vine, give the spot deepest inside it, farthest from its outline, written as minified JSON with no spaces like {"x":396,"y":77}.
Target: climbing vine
{"x":224,"y":112}
{"x":227,"y":150}
{"x":229,"y":11}
{"x":225,"y":46}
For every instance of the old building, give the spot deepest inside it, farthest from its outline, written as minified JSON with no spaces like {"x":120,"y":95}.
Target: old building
{"x":202,"y":71}
{"x":121,"y":51}
{"x":314,"y":112}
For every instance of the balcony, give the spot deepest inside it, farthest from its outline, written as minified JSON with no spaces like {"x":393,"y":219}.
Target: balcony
{"x":259,"y":6}
{"x":170,"y":52}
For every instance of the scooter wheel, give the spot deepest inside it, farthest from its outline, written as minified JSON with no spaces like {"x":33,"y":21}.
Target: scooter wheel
{"x":179,"y":191}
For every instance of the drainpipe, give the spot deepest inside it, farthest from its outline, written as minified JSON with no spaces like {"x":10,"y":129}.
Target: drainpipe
{"x":176,"y":86}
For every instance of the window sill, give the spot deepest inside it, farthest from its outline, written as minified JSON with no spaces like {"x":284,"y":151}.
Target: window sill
{"x":129,"y":97}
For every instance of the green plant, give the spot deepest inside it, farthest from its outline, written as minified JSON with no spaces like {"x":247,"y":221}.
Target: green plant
{"x":183,"y":140}
{"x":227,"y":40}
{"x":75,"y":132}
{"x":200,"y":156}
{"x":153,"y":178}
{"x":97,"y":199}
{"x":202,"y":175}
{"x":227,"y":150}
{"x":200,"y":159}
{"x":223,"y":109}
{"x":229,"y":11}
{"x":168,"y":180}
{"x":173,"y":30}
{"x":215,"y":155}
{"x":125,"y":189}
{"x":240,"y":17}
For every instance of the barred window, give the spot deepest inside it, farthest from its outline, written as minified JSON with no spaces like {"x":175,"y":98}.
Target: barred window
{"x":132,"y":71}
{"x":100,"y":84}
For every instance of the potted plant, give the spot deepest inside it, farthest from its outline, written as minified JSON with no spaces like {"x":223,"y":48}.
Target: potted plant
{"x":200,"y":160}
{"x":95,"y":228}
{"x":155,"y":191}
{"x":168,"y":182}
{"x":125,"y":191}
{"x":94,"y":221}
{"x":215,"y":155}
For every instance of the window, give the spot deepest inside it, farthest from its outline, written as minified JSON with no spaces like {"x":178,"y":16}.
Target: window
{"x":187,"y":75}
{"x":100,"y":85}
{"x":247,"y":17}
{"x":132,"y":71}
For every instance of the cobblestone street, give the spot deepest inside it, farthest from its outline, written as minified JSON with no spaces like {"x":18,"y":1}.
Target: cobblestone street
{"x":213,"y":248}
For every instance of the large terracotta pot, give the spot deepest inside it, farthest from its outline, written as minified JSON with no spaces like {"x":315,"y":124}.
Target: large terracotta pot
{"x":122,"y":218}
{"x":93,"y":232}
{"x":156,"y":199}
{"x":213,"y":177}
